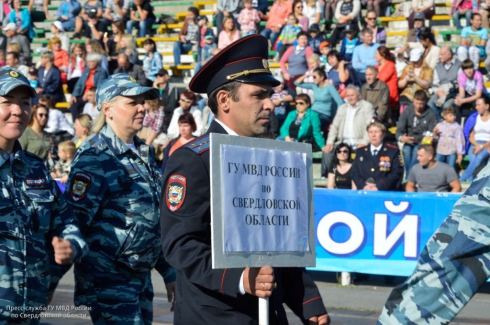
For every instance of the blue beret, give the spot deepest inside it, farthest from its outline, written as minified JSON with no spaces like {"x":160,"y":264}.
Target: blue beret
{"x":244,"y":60}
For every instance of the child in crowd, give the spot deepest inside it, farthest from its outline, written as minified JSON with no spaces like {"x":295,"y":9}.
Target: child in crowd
{"x":324,"y":50}
{"x":229,"y":33}
{"x":33,"y":77}
{"x":90,"y":107}
{"x":288,"y":35}
{"x":280,"y":99}
{"x":316,"y":38}
{"x":204,"y":31}
{"x":208,"y":47}
{"x":248,"y":19}
{"x":66,"y":151}
{"x":450,"y":145}
{"x":2,"y":58}
{"x":349,"y":42}
{"x":313,"y":62}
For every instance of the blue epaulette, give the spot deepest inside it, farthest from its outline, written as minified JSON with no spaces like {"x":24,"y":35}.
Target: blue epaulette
{"x":200,"y":145}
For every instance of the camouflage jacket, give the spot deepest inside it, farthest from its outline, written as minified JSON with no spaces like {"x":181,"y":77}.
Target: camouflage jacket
{"x":115,"y":194}
{"x":32,"y":210}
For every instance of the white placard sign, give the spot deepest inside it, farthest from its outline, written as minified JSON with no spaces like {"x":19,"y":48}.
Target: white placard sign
{"x":268,"y":205}
{"x":262,"y":202}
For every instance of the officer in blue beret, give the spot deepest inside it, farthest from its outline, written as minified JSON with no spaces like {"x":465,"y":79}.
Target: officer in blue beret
{"x":239,"y":83}
{"x":114,"y":189}
{"x":34,"y":213}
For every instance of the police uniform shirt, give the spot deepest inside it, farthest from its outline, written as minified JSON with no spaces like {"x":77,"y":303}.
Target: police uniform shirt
{"x":375,"y":150}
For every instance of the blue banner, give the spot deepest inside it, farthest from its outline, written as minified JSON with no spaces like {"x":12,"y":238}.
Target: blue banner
{"x":375,"y":232}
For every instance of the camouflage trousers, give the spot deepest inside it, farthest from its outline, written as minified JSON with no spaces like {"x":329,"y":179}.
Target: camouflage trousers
{"x":123,"y":303}
{"x":453,"y":265}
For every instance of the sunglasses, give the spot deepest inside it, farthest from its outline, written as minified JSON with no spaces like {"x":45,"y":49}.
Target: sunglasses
{"x":343,"y":151}
{"x":370,"y":18}
{"x":300,"y":103}
{"x":42,"y":115}
{"x":185,"y":100}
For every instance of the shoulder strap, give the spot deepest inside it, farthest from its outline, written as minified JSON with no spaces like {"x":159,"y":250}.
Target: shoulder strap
{"x":200,"y":145}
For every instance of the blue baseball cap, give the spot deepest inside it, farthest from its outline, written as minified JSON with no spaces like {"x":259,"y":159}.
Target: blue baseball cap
{"x":121,"y":84}
{"x":11,"y":78}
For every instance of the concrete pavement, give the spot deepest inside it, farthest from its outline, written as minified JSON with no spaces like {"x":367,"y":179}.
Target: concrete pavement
{"x":359,"y":304}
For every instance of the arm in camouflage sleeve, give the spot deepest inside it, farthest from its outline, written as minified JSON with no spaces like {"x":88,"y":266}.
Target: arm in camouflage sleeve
{"x":87,"y":186}
{"x":84,"y":193}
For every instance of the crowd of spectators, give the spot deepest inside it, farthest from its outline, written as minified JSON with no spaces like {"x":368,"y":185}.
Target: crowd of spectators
{"x":338,"y":75}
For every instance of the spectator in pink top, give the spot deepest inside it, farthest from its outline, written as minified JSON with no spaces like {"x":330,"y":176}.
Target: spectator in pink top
{"x":296,"y":57}
{"x":229,"y":33}
{"x":471,"y":86}
{"x":450,"y":139}
{"x":276,"y":19}
{"x":248,"y":19}
{"x":303,"y":20}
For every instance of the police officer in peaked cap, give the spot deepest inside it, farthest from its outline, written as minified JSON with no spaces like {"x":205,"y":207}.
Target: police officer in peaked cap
{"x":238,"y":83}
{"x":34,"y":213}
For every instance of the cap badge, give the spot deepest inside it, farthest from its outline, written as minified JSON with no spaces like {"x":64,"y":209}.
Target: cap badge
{"x":132,"y":79}
{"x":266,"y":64}
{"x":14,"y":74}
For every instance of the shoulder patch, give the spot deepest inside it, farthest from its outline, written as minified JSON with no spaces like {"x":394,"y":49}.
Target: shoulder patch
{"x":80,"y":185}
{"x":200,"y":145}
{"x":176,"y":190}
{"x":389,"y":145}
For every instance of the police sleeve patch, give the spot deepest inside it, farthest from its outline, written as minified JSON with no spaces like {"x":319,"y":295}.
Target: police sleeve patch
{"x":80,"y":185}
{"x":176,"y":189}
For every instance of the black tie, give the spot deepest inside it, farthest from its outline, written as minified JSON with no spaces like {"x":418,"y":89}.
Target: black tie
{"x":375,"y":152}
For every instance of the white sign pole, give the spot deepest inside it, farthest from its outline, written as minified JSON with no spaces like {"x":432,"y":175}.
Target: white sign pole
{"x":264,"y":311}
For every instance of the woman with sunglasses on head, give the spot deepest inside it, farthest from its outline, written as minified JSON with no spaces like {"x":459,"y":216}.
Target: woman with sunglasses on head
{"x":303,"y":125}
{"x":35,"y":139}
{"x":339,"y":174}
{"x":327,"y":99}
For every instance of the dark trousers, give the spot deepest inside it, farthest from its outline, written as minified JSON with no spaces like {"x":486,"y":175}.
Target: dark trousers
{"x":77,"y":108}
{"x":71,"y":84}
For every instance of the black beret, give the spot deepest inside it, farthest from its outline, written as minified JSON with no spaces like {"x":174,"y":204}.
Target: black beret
{"x":244,"y":60}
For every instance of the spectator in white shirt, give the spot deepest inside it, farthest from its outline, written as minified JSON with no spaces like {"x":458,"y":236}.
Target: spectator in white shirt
{"x":187,"y":104}
{"x":90,"y":108}
{"x":57,"y":121}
